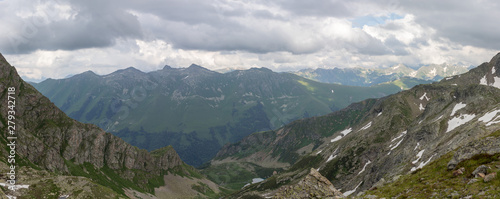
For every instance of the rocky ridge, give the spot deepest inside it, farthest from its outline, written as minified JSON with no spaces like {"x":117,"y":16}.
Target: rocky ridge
{"x":399,"y":134}
{"x":54,"y":142}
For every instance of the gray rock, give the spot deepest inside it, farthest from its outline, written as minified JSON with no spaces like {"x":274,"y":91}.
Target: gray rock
{"x":312,"y":185}
{"x":481,"y":169}
{"x":488,"y":145}
{"x":474,"y":180}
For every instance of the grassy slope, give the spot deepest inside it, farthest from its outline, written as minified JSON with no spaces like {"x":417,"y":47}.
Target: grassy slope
{"x":436,"y":181}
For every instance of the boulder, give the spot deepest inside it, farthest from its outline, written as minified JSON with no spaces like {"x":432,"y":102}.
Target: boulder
{"x":481,"y":169}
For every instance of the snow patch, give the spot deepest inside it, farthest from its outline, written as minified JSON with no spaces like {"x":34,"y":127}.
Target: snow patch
{"x":418,"y":144}
{"x":454,"y":84}
{"x":458,"y":121}
{"x":419,"y":155}
{"x":438,"y":118}
{"x":490,"y":118}
{"x":413,"y":74}
{"x":483,"y":81}
{"x":493,"y":70}
{"x":425,"y":96}
{"x":366,"y":126}
{"x":395,"y":146}
{"x":331,"y":158}
{"x":255,"y":180}
{"x":496,"y":82}
{"x":379,"y":114}
{"x":364,"y":167}
{"x":336,"y":138}
{"x":402,"y":134}
{"x":433,"y":72}
{"x":457,"y":107}
{"x":319,"y":152}
{"x":422,"y":164}
{"x":345,"y":132}
{"x":347,"y":193}
{"x":421,"y":107}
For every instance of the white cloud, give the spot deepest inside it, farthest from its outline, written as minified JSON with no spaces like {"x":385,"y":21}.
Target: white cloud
{"x":54,"y":38}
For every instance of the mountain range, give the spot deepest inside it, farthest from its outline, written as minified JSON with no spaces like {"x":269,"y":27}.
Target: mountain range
{"x":419,"y":143}
{"x":54,"y":156}
{"x":439,"y":140}
{"x":196,"y":110}
{"x":373,"y":76}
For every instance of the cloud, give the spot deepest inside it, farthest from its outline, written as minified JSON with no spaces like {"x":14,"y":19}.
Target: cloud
{"x":50,"y":25}
{"x":471,"y":23}
{"x":53,"y":38}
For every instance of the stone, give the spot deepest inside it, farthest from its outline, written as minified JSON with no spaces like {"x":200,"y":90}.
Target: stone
{"x":474,"y":180}
{"x":481,"y":175}
{"x":459,"y":171}
{"x":313,"y":185}
{"x":490,"y":177}
{"x":481,"y":169}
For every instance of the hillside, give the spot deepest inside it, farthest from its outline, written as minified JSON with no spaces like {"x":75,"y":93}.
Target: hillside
{"x":56,"y":155}
{"x":388,"y":137}
{"x":196,"y":110}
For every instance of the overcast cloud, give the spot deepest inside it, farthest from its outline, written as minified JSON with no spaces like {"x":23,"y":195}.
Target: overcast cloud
{"x":55,"y":38}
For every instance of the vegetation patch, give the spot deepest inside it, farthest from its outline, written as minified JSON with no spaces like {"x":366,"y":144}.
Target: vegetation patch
{"x":436,"y":181}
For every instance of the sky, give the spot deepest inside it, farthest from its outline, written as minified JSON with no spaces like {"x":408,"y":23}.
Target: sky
{"x":55,"y":38}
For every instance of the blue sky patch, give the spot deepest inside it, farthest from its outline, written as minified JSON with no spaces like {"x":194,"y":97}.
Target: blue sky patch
{"x":370,"y":20}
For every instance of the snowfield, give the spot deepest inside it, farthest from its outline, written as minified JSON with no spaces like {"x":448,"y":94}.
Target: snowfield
{"x":457,"y":107}
{"x":458,"y":121}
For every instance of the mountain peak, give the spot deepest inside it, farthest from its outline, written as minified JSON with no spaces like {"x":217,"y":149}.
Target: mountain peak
{"x":195,"y":66}
{"x":127,"y":71}
{"x":166,"y":67}
{"x":131,"y":69}
{"x":262,"y":69}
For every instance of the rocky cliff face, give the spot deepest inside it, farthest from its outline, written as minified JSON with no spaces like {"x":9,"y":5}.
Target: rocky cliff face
{"x":50,"y":140}
{"x":399,"y":134}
